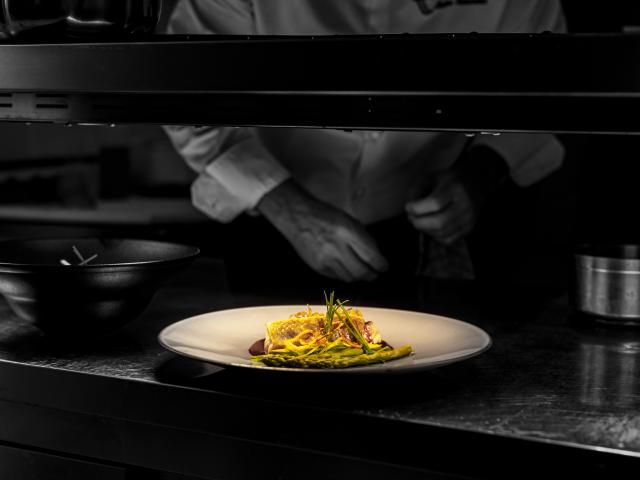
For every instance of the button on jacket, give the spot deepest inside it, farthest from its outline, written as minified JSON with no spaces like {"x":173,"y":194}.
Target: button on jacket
{"x":370,"y":175}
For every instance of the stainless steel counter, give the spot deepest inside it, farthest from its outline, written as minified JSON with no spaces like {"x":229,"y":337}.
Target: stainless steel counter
{"x":553,"y":396}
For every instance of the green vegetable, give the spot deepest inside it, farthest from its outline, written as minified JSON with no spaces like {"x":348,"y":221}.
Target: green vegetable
{"x":353,"y":330}
{"x":344,"y":359}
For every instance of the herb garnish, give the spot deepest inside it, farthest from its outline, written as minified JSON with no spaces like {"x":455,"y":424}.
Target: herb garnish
{"x":353,"y":330}
{"x":331,"y":311}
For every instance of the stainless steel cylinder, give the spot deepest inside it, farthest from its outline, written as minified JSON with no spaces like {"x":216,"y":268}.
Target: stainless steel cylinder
{"x":608,"y":282}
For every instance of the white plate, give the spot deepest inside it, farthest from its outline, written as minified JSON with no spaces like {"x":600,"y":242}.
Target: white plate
{"x":224,"y":337}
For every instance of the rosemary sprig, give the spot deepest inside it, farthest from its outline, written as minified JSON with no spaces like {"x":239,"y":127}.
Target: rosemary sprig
{"x":353,"y":330}
{"x":331,"y":311}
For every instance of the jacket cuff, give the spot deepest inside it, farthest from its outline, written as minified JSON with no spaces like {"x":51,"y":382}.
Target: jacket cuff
{"x":530,"y":157}
{"x":237,"y":180}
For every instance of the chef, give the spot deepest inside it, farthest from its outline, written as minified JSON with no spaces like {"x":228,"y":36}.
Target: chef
{"x":353,"y":205}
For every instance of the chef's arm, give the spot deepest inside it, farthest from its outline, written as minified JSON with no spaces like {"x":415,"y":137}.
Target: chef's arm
{"x":238,"y":174}
{"x":234,"y":168}
{"x":529,"y":157}
{"x":329,"y":240}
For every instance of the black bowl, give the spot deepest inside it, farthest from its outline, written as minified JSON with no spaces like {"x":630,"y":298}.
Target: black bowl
{"x":98,"y":297}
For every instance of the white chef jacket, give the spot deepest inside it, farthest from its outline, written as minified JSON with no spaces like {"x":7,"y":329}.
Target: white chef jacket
{"x":368,"y":174}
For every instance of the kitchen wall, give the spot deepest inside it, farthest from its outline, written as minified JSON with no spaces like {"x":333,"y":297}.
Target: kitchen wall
{"x":604,"y":169}
{"x":143,"y":152}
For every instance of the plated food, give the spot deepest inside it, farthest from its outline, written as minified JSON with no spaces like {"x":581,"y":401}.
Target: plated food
{"x":222,"y":338}
{"x":338,"y":337}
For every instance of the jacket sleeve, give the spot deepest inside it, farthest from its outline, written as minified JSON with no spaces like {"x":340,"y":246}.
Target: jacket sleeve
{"x":235,"y":169}
{"x":530,"y":157}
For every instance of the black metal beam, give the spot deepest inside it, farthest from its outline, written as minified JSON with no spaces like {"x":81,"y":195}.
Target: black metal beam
{"x":471,"y":82}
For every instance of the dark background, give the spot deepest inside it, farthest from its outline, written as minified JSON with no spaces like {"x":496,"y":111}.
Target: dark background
{"x":605,"y":169}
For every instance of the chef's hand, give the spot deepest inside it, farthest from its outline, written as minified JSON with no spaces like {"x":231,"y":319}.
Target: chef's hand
{"x":330,"y":241}
{"x":451,"y":210}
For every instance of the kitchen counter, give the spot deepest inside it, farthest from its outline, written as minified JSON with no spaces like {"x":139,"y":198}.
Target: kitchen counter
{"x":135,"y":210}
{"x":554,"y":395}
{"x":128,"y":211}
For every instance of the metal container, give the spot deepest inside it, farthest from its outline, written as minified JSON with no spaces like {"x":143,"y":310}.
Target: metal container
{"x":80,"y":17}
{"x":608,"y":282}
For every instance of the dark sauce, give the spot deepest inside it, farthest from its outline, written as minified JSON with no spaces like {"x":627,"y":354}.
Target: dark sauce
{"x":257,"y":348}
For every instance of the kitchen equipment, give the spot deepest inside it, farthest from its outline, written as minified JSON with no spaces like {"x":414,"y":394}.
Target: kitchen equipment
{"x":608,"y":282}
{"x":79,"y":286}
{"x":163,"y":80}
{"x":224,"y":337}
{"x":80,"y":17}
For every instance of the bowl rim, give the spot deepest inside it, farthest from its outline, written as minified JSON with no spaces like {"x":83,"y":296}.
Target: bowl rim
{"x":193,"y":252}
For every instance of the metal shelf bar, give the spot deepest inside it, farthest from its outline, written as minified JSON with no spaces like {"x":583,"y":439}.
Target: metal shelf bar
{"x":472,"y":82}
